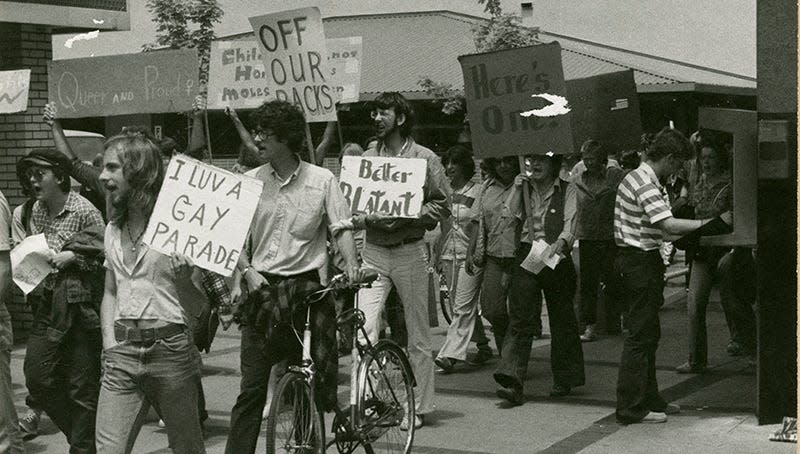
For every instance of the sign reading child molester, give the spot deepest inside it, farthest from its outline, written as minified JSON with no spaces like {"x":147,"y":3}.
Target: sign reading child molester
{"x":516,"y":101}
{"x":390,"y":186}
{"x":293,"y":47}
{"x":203,"y":212}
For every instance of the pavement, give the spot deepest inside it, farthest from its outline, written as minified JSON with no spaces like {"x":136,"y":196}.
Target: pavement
{"x":717,"y":407}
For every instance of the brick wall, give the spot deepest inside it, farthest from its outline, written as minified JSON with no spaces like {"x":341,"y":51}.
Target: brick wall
{"x":23,"y":46}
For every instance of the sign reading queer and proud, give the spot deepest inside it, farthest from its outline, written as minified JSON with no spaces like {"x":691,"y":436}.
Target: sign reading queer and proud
{"x":203,"y":212}
{"x":516,"y":101}
{"x":295,"y":64}
{"x":391,"y":186}
{"x":150,"y":82}
{"x":14,"y":87}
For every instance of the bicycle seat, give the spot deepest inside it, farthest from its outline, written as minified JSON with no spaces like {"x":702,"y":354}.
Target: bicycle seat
{"x":351,"y":318}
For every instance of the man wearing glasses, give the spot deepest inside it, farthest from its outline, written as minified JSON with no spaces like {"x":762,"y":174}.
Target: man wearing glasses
{"x":285,"y":258}
{"x":66,"y":325}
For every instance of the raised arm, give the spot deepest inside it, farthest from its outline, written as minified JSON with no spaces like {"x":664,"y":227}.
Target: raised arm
{"x":50,"y":117}
{"x":324,"y":146}
{"x":197,"y":139}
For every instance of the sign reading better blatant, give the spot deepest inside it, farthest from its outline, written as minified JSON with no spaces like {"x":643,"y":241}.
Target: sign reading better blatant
{"x":390,"y":186}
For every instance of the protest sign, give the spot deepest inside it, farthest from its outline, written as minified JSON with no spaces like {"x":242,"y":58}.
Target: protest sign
{"x":150,"y":82}
{"x":344,"y":62}
{"x":30,"y":262}
{"x":203,"y":212}
{"x":14,"y":87}
{"x":605,"y":108}
{"x":293,"y":48}
{"x":391,"y":186}
{"x":516,"y":101}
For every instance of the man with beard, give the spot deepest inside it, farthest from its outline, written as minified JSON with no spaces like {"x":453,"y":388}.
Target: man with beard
{"x":395,"y":247}
{"x":284,"y":259}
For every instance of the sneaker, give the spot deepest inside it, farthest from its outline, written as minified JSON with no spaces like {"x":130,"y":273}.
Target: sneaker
{"x":514,"y":396}
{"x":654,"y":417}
{"x":672,"y":409}
{"x":446,"y":364}
{"x":161,"y":423}
{"x":419,"y":420}
{"x":687,"y":368}
{"x":589,"y":335}
{"x":560,"y":390}
{"x":29,"y":424}
{"x":483,"y":355}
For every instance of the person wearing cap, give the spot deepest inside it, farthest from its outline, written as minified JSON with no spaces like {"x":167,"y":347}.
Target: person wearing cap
{"x":66,"y":325}
{"x":552,"y":206}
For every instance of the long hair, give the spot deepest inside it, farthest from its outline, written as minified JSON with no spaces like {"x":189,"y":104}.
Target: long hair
{"x":143,"y":170}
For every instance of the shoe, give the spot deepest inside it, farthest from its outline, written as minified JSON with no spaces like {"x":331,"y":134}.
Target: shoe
{"x":446,"y":364}
{"x":513,"y":395}
{"x":687,"y":368}
{"x":419,"y":421}
{"x":483,"y":355}
{"x":29,"y":424}
{"x":560,"y":390}
{"x":654,"y":417}
{"x":672,"y":409}
{"x":589,"y":335}
{"x":161,"y":423}
{"x":734,"y":348}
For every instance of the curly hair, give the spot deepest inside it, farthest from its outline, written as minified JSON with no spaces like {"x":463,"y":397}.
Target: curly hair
{"x":142,"y":168}
{"x":669,"y":142}
{"x":285,"y":120}
{"x":400,"y":105}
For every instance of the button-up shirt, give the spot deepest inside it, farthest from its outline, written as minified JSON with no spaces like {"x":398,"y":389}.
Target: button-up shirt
{"x":288,"y":231}
{"x":464,"y":209}
{"x":712,"y":196}
{"x":499,"y":228}
{"x":641,"y":203}
{"x":596,"y":195}
{"x":6,"y":333}
{"x":77,"y":214}
{"x":540,"y":204}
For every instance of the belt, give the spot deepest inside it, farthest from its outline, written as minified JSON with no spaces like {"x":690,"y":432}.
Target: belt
{"x":124,"y":333}
{"x":401,"y":243}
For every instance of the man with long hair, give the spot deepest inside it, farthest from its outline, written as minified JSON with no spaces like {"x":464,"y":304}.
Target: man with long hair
{"x":150,"y":304}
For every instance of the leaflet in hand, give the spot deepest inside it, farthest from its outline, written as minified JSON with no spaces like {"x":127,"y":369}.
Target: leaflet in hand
{"x":30,"y":262}
{"x":536,"y":260}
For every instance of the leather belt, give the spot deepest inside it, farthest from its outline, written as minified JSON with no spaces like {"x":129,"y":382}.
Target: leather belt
{"x":402,"y":243}
{"x":125,"y":333}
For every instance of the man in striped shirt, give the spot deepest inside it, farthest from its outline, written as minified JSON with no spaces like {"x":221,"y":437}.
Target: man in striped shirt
{"x":642,"y":221}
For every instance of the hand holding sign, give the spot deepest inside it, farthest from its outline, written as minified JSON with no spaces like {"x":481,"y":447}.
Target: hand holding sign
{"x":30,"y":262}
{"x":386,"y":188}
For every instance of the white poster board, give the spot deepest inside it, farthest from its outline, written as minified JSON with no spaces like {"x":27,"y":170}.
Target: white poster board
{"x":296,"y":68}
{"x":14,"y":87}
{"x":344,"y":61}
{"x":30,"y":262}
{"x":391,"y":186}
{"x":203,"y":212}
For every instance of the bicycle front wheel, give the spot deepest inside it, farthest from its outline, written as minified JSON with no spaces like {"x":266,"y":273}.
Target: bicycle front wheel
{"x":385,"y":399}
{"x":294,"y":424}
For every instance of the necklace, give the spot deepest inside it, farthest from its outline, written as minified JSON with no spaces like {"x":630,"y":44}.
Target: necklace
{"x":134,"y":243}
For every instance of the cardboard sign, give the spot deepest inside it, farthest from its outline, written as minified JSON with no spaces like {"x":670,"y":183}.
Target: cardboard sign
{"x":203,"y":212}
{"x":14,"y":87}
{"x":344,"y":61}
{"x":392,"y":186}
{"x":293,"y":48}
{"x":150,"y":82}
{"x":605,"y":108}
{"x":30,"y":262}
{"x":516,"y":101}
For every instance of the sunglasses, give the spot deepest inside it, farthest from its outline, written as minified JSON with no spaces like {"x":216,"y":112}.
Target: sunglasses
{"x":37,"y":173}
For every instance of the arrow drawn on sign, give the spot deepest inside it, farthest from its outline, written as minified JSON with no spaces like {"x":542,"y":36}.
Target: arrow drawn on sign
{"x":557,"y":106}
{"x":8,"y":98}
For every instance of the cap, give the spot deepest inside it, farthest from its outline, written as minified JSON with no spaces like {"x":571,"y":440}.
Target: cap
{"x":44,"y":157}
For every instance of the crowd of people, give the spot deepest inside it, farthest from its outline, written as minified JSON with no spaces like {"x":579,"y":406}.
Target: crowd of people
{"x":119,"y":327}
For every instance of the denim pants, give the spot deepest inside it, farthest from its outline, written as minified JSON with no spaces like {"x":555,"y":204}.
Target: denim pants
{"x":641,"y":280}
{"x":597,"y":265}
{"x":63,"y":377}
{"x":494,"y":297}
{"x":466,"y":324}
{"x":404,"y":267}
{"x":10,"y":437}
{"x":164,"y":372}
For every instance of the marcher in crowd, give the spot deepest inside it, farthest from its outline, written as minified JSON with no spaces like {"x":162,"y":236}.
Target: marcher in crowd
{"x":66,"y":326}
{"x":10,"y":436}
{"x":596,"y":189}
{"x":395,"y":248}
{"x":552,"y":205}
{"x":464,"y":288}
{"x":642,"y":218}
{"x":284,"y":258}
{"x":150,"y":306}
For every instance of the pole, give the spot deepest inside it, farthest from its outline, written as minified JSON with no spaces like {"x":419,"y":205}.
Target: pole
{"x":312,"y":155}
{"x":208,"y":136}
{"x":526,"y":197}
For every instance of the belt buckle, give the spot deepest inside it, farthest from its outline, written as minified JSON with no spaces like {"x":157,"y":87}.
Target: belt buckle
{"x":147,"y":335}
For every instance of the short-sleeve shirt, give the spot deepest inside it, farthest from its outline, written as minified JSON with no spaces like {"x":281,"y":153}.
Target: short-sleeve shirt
{"x":501,"y":228}
{"x":463,"y":211}
{"x":6,"y":332}
{"x":77,"y":214}
{"x":288,"y":231}
{"x":641,"y":203}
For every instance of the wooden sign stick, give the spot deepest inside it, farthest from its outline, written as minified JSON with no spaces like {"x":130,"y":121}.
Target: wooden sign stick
{"x":526,"y":198}
{"x":311,"y":153}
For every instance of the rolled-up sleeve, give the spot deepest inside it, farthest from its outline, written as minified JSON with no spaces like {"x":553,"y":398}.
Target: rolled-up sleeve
{"x":336,"y":208}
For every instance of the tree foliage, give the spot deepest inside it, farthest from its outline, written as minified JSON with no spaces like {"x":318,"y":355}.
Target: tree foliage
{"x":182,"y":24}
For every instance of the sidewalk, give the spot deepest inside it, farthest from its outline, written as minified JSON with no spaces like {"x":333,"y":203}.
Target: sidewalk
{"x":717,"y":416}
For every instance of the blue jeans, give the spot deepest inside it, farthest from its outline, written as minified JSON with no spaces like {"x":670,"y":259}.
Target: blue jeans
{"x":164,"y":372}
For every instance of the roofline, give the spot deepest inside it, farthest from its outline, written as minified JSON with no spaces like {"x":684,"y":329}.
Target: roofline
{"x":695,"y":87}
{"x":654,"y":57}
{"x":71,"y":16}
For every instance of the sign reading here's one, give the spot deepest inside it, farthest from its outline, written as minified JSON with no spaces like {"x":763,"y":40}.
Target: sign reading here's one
{"x":293,"y":47}
{"x":390,"y":186}
{"x":507,"y":95}
{"x":150,"y":82}
{"x":14,"y":87}
{"x":203,"y":212}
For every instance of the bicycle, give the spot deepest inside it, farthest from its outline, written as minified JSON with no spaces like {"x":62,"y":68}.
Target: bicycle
{"x":381,"y":394}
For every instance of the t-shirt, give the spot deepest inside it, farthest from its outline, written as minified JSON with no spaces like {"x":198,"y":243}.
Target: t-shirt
{"x":641,"y":203}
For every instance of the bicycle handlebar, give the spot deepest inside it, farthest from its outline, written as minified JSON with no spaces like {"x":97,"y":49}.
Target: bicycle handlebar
{"x":341,"y":282}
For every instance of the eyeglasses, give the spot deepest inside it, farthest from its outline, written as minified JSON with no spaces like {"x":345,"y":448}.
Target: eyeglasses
{"x":384,"y":113}
{"x":262,"y":135}
{"x":37,"y":173}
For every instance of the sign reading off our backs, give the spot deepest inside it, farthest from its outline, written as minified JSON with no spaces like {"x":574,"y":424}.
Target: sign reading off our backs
{"x":391,"y":186}
{"x":293,"y":48}
{"x":516,"y":101}
{"x":150,"y":82}
{"x":203,"y":212}
{"x":14,"y":87}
